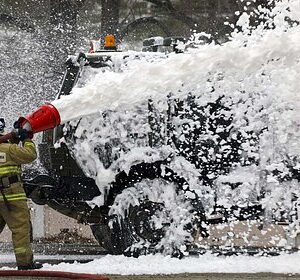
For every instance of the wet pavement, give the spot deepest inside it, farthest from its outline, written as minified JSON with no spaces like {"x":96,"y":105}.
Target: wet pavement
{"x":53,"y":253}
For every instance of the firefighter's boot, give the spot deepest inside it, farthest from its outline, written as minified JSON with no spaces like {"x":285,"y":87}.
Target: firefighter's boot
{"x":34,"y":265}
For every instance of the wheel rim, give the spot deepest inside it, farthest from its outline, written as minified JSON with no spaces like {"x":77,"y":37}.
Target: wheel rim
{"x":140,"y":218}
{"x":158,"y":213}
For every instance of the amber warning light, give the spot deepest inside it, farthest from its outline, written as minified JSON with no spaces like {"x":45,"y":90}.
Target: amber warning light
{"x":110,"y":42}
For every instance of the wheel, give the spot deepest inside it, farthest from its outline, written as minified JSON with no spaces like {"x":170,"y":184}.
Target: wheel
{"x":155,"y":212}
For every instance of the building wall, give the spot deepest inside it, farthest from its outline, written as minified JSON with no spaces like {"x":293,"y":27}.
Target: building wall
{"x":54,"y":223}
{"x":49,"y":223}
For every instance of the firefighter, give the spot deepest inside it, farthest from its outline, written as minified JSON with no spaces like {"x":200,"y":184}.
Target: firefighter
{"x":13,"y":205}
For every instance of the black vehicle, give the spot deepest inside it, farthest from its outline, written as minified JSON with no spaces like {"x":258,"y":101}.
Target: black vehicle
{"x":159,"y":174}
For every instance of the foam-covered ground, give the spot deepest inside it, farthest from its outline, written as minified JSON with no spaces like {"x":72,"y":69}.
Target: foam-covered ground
{"x":159,"y":264}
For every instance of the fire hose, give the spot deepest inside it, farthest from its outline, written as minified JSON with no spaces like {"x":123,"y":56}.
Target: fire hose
{"x":31,"y":274}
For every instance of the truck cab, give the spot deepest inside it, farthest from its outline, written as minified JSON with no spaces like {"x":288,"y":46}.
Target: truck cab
{"x":70,"y":189}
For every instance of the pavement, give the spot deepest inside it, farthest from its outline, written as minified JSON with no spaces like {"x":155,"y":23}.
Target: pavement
{"x":53,"y":253}
{"x":8,"y":260}
{"x":58,"y":248}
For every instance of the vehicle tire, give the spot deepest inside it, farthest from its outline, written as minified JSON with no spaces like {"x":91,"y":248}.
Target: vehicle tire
{"x":115,"y":238}
{"x":151,"y":210}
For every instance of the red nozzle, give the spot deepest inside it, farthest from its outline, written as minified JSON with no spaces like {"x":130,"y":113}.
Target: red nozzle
{"x":44,"y":118}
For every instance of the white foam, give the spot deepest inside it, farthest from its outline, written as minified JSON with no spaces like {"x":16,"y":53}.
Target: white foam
{"x":275,"y":54}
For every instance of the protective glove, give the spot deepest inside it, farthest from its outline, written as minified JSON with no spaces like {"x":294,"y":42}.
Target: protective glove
{"x":14,"y":137}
